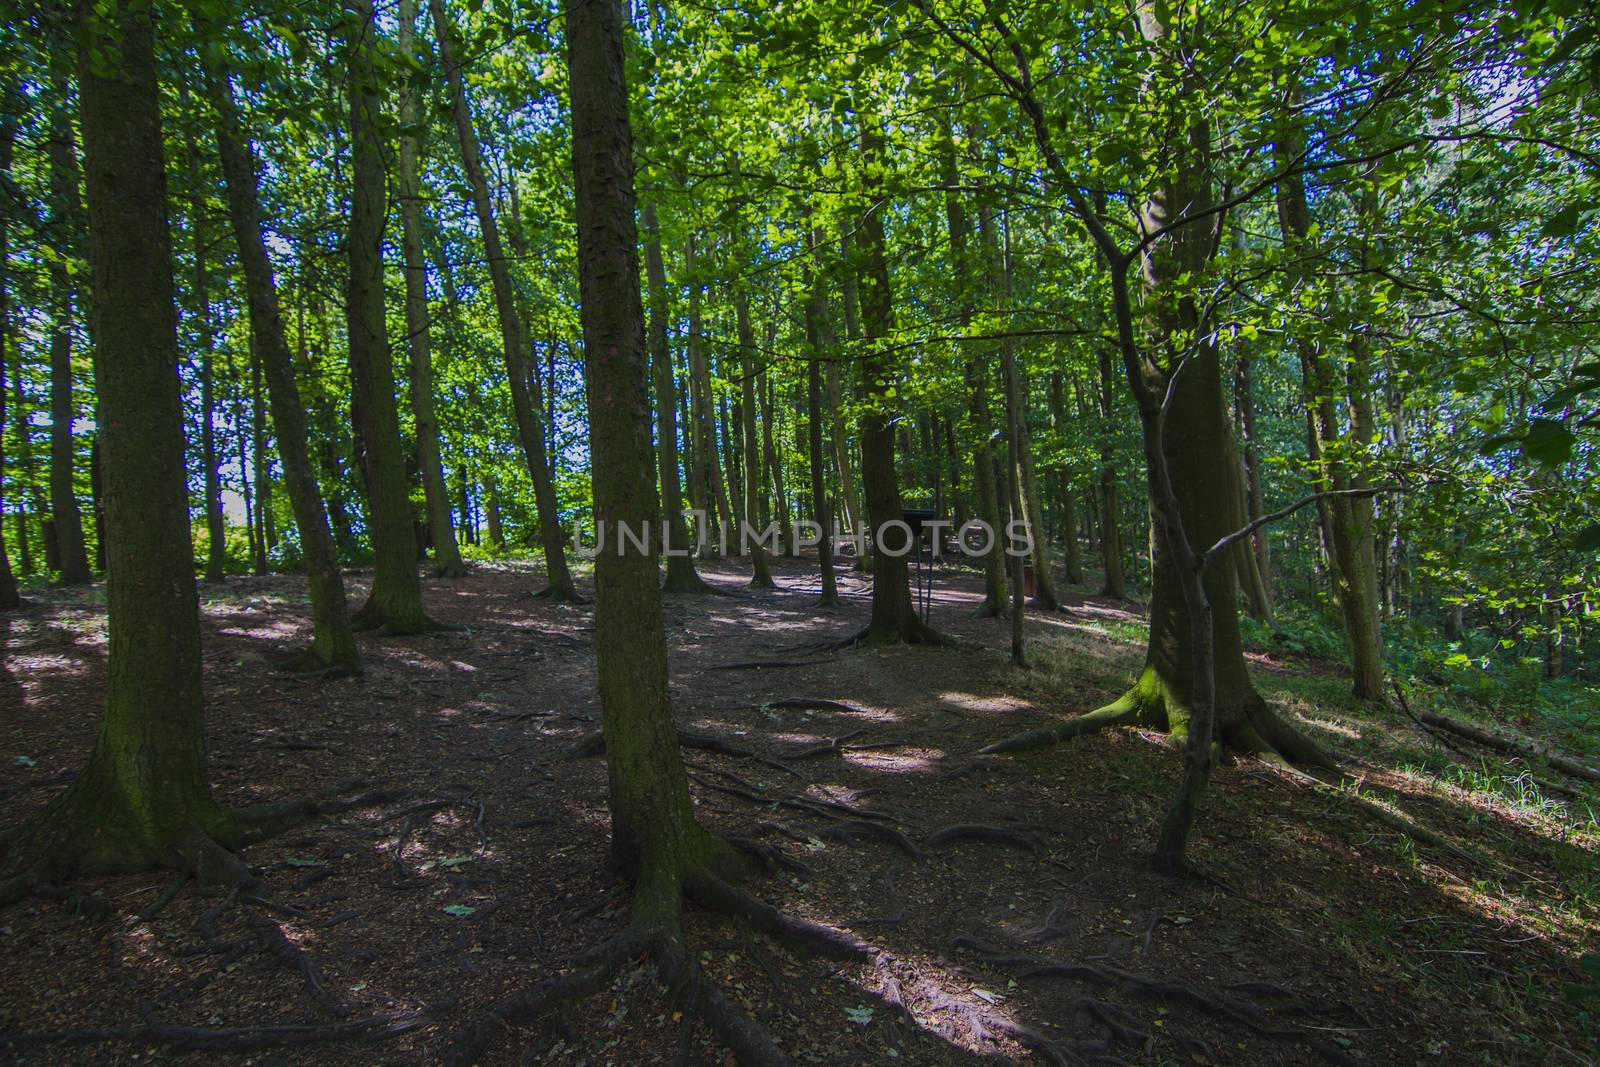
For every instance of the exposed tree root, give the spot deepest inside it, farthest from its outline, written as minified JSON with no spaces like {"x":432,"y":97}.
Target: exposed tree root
{"x":287,"y":954}
{"x":983,"y":832}
{"x":594,"y":744}
{"x":372,"y":618}
{"x":809,"y":704}
{"x":564,"y":593}
{"x":766,"y":664}
{"x":1245,"y":726}
{"x":913,"y":632}
{"x":691,"y":584}
{"x":855,"y":829}
{"x":828,"y":809}
{"x":1211,"y":1002}
{"x":235,"y":1039}
{"x":830,"y":747}
{"x":57,"y":845}
{"x":307,"y":663}
{"x":460,"y":570}
{"x":680,"y":972}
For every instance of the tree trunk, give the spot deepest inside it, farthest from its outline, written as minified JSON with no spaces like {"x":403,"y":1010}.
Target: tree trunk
{"x":852,"y":334}
{"x":750,"y":535}
{"x":65,"y":517}
{"x":894,"y":615}
{"x":491,"y":497}
{"x":260,"y":472}
{"x":1016,"y":407}
{"x":446,"y":554}
{"x":654,"y":836}
{"x":28,"y":491}
{"x":1348,"y":522}
{"x":1245,"y":400}
{"x":526,"y":407}
{"x":708,"y":454}
{"x":694,"y":429}
{"x":8,"y":139}
{"x":820,"y":341}
{"x":142,"y":798}
{"x":781,"y":514}
{"x":1016,"y":443}
{"x":1071,"y":551}
{"x":206,"y":342}
{"x":395,"y":603}
{"x":681,"y":576}
{"x":1113,"y":583}
{"x":333,"y":646}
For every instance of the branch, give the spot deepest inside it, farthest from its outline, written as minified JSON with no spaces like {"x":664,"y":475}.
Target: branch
{"x":1216,"y":551}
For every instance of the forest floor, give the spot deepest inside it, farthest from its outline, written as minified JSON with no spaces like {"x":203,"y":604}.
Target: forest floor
{"x":1317,"y":934}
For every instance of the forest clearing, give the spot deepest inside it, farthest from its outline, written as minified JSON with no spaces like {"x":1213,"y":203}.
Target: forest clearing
{"x":939,"y":532}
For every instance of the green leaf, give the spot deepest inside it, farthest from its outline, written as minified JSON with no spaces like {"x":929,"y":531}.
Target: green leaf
{"x":303,"y":861}
{"x":861,"y":1016}
{"x":1548,"y":442}
{"x":1588,"y":540}
{"x":1563,"y":223}
{"x":460,"y":911}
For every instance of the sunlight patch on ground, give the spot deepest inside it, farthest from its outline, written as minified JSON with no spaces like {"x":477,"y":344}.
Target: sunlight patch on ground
{"x":907,"y":761}
{"x":986,"y":705}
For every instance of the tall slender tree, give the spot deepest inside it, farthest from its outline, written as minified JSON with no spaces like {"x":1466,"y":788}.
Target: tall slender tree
{"x":395,"y":603}
{"x":436,"y":498}
{"x":333,"y":646}
{"x":527,"y":401}
{"x":681,"y":576}
{"x":66,"y":518}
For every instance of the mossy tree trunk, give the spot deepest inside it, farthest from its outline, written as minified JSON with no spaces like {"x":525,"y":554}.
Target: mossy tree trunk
{"x":1194,"y":683}
{"x":66,"y":518}
{"x":681,"y":576}
{"x":142,"y":799}
{"x":446,"y":554}
{"x":333,"y":646}
{"x":526,"y":394}
{"x":395,"y":603}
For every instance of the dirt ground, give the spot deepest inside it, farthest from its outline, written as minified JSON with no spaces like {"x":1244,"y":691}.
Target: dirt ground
{"x":1316,"y":935}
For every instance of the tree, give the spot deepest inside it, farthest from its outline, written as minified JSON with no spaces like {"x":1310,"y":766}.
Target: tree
{"x":142,"y":798}
{"x":894,"y":616}
{"x":333,"y":646}
{"x":655,"y":841}
{"x":681,"y":576}
{"x":761,"y":568}
{"x":8,"y":140}
{"x":526,"y":407}
{"x":395,"y":602}
{"x":66,"y":522}
{"x":446,"y":554}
